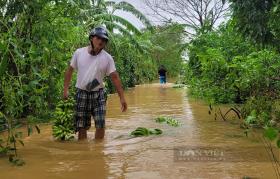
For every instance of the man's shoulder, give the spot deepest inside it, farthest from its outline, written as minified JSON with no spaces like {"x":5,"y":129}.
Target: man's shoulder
{"x":107,"y":55}
{"x":82,"y":49}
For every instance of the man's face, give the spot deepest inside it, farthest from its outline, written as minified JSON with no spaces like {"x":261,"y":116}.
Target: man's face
{"x":98,"y":42}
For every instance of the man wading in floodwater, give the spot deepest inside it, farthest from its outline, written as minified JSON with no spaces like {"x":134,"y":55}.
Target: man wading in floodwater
{"x":162,"y":74}
{"x":92,"y":63}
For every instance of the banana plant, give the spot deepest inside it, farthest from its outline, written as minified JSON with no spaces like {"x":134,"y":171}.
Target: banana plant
{"x":103,"y":12}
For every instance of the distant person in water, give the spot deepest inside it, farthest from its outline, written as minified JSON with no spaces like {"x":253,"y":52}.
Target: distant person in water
{"x":162,"y":74}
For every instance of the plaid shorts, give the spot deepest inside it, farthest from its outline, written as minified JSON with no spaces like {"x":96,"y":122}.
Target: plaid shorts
{"x":89,"y":104}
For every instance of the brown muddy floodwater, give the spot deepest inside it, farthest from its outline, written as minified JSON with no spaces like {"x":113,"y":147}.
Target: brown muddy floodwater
{"x":165,"y":156}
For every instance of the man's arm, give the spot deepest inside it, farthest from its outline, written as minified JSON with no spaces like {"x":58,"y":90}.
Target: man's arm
{"x":67,"y":80}
{"x":117,"y":83}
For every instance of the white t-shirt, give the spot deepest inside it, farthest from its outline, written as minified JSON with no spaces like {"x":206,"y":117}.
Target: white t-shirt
{"x":82,"y":60}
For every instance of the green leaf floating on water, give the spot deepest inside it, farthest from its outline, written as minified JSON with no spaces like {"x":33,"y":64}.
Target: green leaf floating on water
{"x":168,"y":120}
{"x":142,"y":131}
{"x":161,"y":119}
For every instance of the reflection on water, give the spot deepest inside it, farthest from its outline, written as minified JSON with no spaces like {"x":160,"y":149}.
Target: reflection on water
{"x":119,"y":156}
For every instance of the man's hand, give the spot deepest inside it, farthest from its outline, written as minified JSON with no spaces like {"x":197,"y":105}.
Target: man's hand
{"x":67,"y":79}
{"x":117,"y":83}
{"x":65,"y":95}
{"x":124,"y":104}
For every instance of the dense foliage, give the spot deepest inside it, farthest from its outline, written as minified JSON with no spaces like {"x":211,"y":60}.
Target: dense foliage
{"x":38,"y":39}
{"x":258,"y":19}
{"x":239,"y":63}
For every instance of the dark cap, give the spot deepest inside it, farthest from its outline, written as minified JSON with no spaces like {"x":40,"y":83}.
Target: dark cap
{"x":100,"y":32}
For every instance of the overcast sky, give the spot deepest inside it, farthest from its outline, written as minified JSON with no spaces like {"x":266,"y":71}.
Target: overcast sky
{"x":140,"y":5}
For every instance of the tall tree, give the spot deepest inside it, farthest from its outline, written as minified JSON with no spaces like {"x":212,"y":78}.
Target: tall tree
{"x":198,"y":15}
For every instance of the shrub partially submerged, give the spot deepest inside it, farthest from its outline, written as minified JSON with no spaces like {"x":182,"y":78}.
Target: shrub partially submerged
{"x":9,"y":143}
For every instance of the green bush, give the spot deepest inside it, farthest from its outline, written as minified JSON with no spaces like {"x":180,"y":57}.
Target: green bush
{"x":224,"y":67}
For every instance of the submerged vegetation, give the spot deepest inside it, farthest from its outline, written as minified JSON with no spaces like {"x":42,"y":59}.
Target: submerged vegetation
{"x":142,"y":131}
{"x":168,"y":120}
{"x":9,"y":142}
